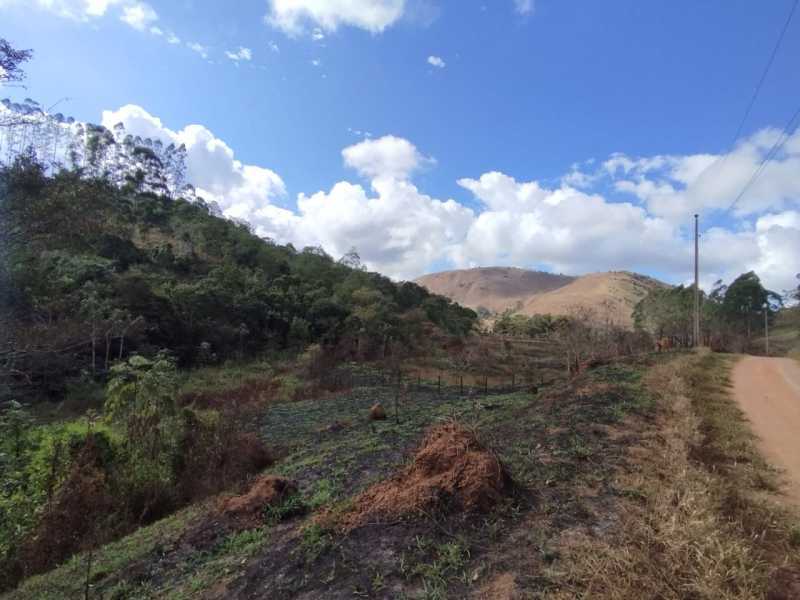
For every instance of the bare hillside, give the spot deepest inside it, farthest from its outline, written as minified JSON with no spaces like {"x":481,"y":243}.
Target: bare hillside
{"x":494,"y":288}
{"x":533,"y":292}
{"x":615,"y":294}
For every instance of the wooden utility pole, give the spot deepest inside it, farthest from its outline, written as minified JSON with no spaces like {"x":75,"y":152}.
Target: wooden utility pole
{"x":696,"y":332}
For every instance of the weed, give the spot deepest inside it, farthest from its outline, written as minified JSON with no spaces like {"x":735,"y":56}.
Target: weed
{"x":449,"y":561}
{"x":292,"y":505}
{"x":315,"y":540}
{"x":325,"y":492}
{"x":242,"y":543}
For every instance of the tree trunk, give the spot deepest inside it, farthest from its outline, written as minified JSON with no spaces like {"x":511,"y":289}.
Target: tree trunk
{"x":94,"y":352}
{"x":108,"y":348}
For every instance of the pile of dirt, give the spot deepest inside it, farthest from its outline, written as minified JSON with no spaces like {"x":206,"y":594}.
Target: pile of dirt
{"x":451,"y":471}
{"x":248,"y":509}
{"x":377,"y":412}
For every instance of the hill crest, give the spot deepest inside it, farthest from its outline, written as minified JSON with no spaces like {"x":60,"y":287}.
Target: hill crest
{"x":613,"y":294}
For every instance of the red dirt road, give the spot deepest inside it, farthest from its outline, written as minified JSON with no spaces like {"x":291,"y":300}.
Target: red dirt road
{"x":768,"y":391}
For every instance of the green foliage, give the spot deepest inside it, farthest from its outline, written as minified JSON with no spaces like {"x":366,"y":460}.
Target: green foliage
{"x":94,"y":272}
{"x":524,"y":326}
{"x":142,"y":389}
{"x":729,"y":314}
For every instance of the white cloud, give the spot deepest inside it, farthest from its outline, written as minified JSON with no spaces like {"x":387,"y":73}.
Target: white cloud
{"x":401,"y":231}
{"x":316,"y":62}
{"x":273,"y":46}
{"x":139,"y":15}
{"x":173,"y":39}
{"x":317,"y":35}
{"x":385,"y":157}
{"x":676,"y":186}
{"x":241,"y":190}
{"x":563,"y":228}
{"x":198,"y":48}
{"x":437,"y":62}
{"x":524,"y":7}
{"x":241,"y":54}
{"x":78,"y":10}
{"x":294,"y":17}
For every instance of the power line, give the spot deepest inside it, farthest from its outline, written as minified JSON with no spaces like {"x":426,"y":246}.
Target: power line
{"x":776,"y":147}
{"x":765,"y":72}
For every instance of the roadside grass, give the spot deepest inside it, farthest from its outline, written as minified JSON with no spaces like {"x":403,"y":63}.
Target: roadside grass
{"x":698,"y":519}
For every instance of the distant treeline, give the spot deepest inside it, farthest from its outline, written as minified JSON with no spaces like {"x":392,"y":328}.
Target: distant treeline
{"x":730,"y":315}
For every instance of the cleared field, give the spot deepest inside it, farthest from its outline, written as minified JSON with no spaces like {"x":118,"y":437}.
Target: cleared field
{"x":560,"y":445}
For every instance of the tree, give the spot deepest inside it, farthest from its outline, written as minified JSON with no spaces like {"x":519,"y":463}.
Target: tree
{"x":11,"y":72}
{"x":11,"y":61}
{"x":746,"y":300}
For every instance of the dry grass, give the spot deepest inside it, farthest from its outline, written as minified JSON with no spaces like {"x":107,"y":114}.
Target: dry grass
{"x":698,"y":522}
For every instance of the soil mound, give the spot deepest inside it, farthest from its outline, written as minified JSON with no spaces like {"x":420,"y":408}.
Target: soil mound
{"x":377,"y":412}
{"x":267,"y":490}
{"x":451,"y":471}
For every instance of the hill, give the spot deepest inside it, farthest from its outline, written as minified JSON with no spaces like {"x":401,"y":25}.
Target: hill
{"x":615,"y":294}
{"x":494,"y":288}
{"x":533,"y":292}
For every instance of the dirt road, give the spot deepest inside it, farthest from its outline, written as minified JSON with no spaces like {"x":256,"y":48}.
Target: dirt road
{"x":768,"y":391}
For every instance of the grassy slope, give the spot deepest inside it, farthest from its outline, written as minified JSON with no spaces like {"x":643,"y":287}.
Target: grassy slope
{"x":701,"y":519}
{"x":556,"y":443}
{"x":627,"y":482}
{"x":785,"y":334}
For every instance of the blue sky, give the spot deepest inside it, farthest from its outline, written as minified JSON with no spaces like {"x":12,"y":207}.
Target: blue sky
{"x":516,"y":126}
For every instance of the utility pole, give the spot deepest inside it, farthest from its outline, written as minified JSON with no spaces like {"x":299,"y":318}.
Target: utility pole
{"x":696,"y":332}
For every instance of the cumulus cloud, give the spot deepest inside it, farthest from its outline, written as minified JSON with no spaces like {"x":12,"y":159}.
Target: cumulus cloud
{"x":437,"y":62}
{"x":385,"y":157}
{"x":295,"y":17}
{"x":402,"y":231}
{"x":573,"y":231}
{"x":564,"y":228}
{"x":241,"y":54}
{"x":137,"y":14}
{"x":198,"y":49}
{"x":524,"y":7}
{"x":398,"y":229}
{"x":674,"y":186}
{"x":240,"y":189}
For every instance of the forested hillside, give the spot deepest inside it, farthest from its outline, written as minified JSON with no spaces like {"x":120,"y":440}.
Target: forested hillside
{"x":93,"y":271}
{"x":117,"y":282}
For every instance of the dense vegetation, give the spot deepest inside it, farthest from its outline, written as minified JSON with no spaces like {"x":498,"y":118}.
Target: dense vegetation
{"x":730,"y":316}
{"x":92,"y":272}
{"x":115,"y":280}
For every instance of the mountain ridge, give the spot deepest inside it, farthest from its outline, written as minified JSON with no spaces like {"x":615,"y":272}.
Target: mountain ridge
{"x":613,"y":294}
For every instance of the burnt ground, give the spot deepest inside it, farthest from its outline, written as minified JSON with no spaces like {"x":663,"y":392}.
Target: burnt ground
{"x":562,"y":446}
